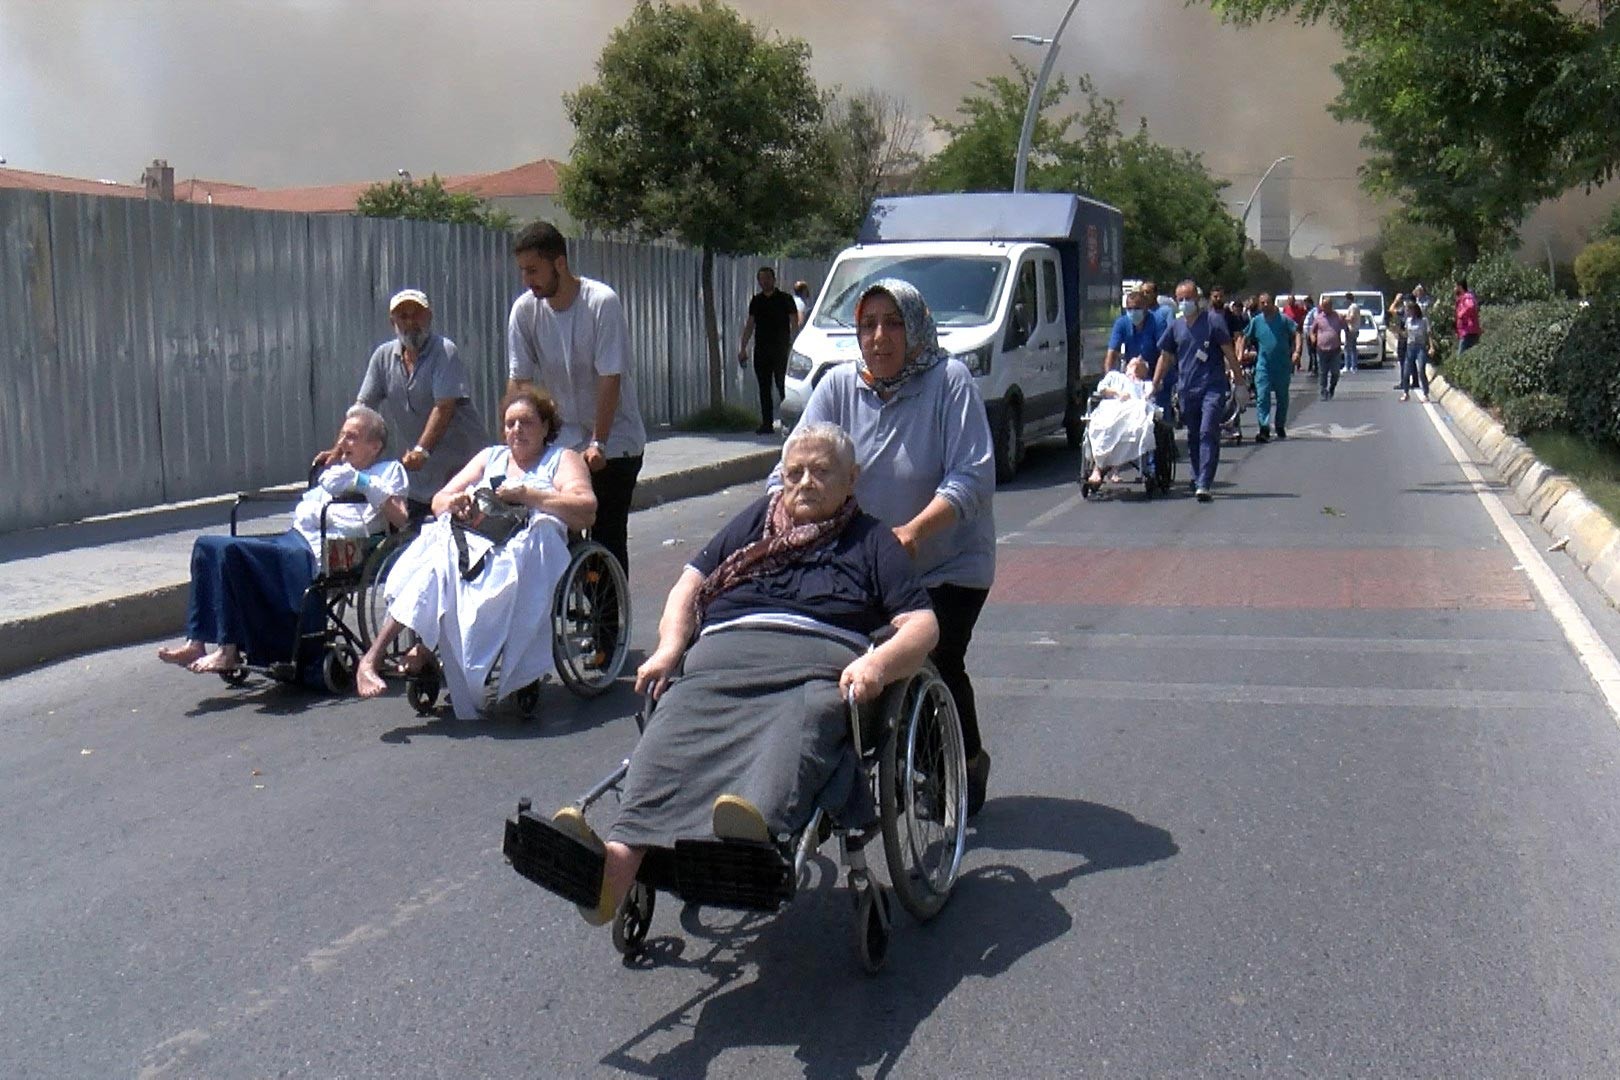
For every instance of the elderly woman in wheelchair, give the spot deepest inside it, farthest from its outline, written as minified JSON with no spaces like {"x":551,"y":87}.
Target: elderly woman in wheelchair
{"x":764,"y":650}
{"x":478,"y":584}
{"x":249,"y":594}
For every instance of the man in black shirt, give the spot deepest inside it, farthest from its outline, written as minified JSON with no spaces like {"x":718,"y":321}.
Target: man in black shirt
{"x":776,"y":318}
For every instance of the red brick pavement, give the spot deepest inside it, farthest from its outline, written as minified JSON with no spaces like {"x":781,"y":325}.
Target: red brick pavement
{"x":1296,"y":578}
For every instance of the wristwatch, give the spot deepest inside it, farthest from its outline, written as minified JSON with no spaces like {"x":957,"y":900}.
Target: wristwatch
{"x":596,"y":444}
{"x":420,"y":449}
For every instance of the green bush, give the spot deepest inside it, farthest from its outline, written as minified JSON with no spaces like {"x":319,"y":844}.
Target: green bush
{"x":1502,"y":279}
{"x":1587,"y":372}
{"x":1534,"y":412}
{"x":1517,"y":351}
{"x":1597,"y":268}
{"x":1499,"y":278}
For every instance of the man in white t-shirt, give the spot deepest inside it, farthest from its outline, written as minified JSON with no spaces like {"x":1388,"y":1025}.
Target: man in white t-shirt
{"x":569,"y":334}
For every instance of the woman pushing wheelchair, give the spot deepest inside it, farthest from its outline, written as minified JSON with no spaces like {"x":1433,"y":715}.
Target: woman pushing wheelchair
{"x":763,"y":639}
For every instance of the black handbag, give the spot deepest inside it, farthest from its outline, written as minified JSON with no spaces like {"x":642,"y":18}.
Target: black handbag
{"x":492,"y":519}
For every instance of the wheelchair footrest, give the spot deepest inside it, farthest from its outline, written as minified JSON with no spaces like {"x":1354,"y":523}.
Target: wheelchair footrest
{"x":553,"y":859}
{"x":733,"y":873}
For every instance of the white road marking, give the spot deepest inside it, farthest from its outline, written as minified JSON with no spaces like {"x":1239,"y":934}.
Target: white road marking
{"x":1335,"y":432}
{"x":1045,"y":519}
{"x":1594,"y":655}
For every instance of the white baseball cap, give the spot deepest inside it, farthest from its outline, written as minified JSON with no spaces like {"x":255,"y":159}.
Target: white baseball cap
{"x":409,"y":296}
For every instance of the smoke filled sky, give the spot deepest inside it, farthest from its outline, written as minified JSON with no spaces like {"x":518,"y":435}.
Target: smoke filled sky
{"x":290,"y":92}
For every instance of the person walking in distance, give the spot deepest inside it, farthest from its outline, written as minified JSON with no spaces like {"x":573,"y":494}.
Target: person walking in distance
{"x":773,"y":319}
{"x":801,"y":300}
{"x":569,"y":334}
{"x":1275,"y":338}
{"x":1352,"y":320}
{"x":1467,"y":317}
{"x":1327,"y":334}
{"x":1415,"y":360}
{"x":1200,"y":348}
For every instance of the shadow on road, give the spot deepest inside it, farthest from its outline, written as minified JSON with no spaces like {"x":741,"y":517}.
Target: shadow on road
{"x":807,"y":992}
{"x":558,"y":713}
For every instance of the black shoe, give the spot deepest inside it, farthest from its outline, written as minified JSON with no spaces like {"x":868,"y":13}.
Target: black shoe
{"x":1203,"y":495}
{"x":1263,"y":435}
{"x":978,"y":777}
{"x":1281,"y":434}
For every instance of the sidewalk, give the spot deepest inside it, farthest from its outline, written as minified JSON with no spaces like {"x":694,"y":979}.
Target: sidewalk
{"x":114,"y":580}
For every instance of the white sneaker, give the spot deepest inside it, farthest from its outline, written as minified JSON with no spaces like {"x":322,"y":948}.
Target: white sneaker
{"x":1423,"y":396}
{"x":1403,"y":395}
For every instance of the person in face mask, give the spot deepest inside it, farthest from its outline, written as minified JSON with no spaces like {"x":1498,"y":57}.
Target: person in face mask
{"x":1135,"y":334}
{"x":1200,"y":349}
{"x":417,"y":382}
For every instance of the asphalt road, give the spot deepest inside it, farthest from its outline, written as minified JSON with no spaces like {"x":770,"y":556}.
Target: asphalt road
{"x":1304,"y":782}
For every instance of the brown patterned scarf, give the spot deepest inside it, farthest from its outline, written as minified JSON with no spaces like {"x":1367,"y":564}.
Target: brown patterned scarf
{"x":782,"y":544}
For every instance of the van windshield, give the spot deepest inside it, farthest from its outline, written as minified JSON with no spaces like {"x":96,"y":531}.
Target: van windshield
{"x":961,"y":290}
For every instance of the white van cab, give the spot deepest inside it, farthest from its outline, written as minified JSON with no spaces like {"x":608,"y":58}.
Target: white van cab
{"x":1023,"y":288}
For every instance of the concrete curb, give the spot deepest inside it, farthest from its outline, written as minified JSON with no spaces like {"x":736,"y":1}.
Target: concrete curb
{"x":1553,"y":500}
{"x":42,"y":638}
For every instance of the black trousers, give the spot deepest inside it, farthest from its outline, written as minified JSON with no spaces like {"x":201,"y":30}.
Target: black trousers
{"x":957,"y":608}
{"x":770,"y":369}
{"x":614,"y":485}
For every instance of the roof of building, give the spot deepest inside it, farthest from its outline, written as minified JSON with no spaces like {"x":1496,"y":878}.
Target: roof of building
{"x":530,"y":179}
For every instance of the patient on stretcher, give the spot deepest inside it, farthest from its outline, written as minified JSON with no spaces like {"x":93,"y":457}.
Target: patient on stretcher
{"x":1120,"y":428}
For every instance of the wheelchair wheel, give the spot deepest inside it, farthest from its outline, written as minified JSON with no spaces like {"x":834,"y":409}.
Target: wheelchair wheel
{"x":922,"y":793}
{"x":590,"y":618}
{"x":634,"y":919}
{"x":872,"y":924}
{"x":338,"y":667}
{"x":422,"y":690}
{"x":371,"y":607}
{"x":1087,"y":463}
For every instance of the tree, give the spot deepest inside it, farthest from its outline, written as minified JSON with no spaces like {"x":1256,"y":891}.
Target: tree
{"x":1463,"y":125}
{"x":1415,"y":253}
{"x":427,"y":200}
{"x":1266,"y":274}
{"x":1175,"y":224}
{"x":982,"y":149}
{"x":701,"y":128}
{"x":872,"y":150}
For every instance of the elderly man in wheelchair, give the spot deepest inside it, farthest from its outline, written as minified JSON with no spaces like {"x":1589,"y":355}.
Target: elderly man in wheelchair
{"x":754,"y":748}
{"x":250,"y":595}
{"x":1125,"y":429}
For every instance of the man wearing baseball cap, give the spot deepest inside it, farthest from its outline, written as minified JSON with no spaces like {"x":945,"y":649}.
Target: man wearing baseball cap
{"x":418,"y":383}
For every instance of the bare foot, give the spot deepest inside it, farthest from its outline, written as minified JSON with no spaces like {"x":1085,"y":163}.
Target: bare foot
{"x":1096,"y":476}
{"x":183,"y":655}
{"x":224,"y":658}
{"x":368,"y":683}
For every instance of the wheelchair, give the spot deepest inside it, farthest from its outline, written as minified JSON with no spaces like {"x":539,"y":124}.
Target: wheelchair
{"x":331,"y":631}
{"x":1155,"y":471}
{"x":590,"y":626}
{"x":909,"y":745}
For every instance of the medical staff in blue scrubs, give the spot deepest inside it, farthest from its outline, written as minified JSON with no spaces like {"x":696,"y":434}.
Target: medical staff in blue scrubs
{"x":1206,"y":364}
{"x":1135,"y":334}
{"x":1276,"y":341}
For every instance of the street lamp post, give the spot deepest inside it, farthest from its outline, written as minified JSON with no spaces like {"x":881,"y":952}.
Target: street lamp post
{"x":1032,"y":110}
{"x":1248,"y":204}
{"x":1289,"y":246}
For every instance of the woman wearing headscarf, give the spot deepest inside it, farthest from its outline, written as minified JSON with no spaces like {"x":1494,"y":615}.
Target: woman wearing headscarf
{"x":927,"y":472}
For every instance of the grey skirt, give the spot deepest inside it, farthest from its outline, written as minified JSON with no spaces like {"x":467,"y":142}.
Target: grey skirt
{"x":756,"y":713}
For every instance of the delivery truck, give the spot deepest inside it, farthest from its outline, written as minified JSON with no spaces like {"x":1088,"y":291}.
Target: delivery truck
{"x":1024,"y":288}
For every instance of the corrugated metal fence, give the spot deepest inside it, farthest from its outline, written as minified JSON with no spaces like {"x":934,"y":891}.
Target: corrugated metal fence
{"x":154,"y":352}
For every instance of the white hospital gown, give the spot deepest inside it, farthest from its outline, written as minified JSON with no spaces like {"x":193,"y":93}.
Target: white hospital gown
{"x":1121,"y":429}
{"x":503,"y":613}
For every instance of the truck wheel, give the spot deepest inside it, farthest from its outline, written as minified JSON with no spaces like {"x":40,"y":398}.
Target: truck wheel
{"x":1009,"y":437}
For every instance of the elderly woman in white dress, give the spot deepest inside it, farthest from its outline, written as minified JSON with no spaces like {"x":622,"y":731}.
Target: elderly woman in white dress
{"x":1120,"y":429}
{"x":477,"y":601}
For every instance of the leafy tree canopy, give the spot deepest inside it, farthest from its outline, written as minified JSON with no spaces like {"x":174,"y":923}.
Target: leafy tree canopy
{"x":871,"y":150}
{"x":427,"y":200}
{"x":699,"y":127}
{"x":1476,"y":109}
{"x":1174,"y":221}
